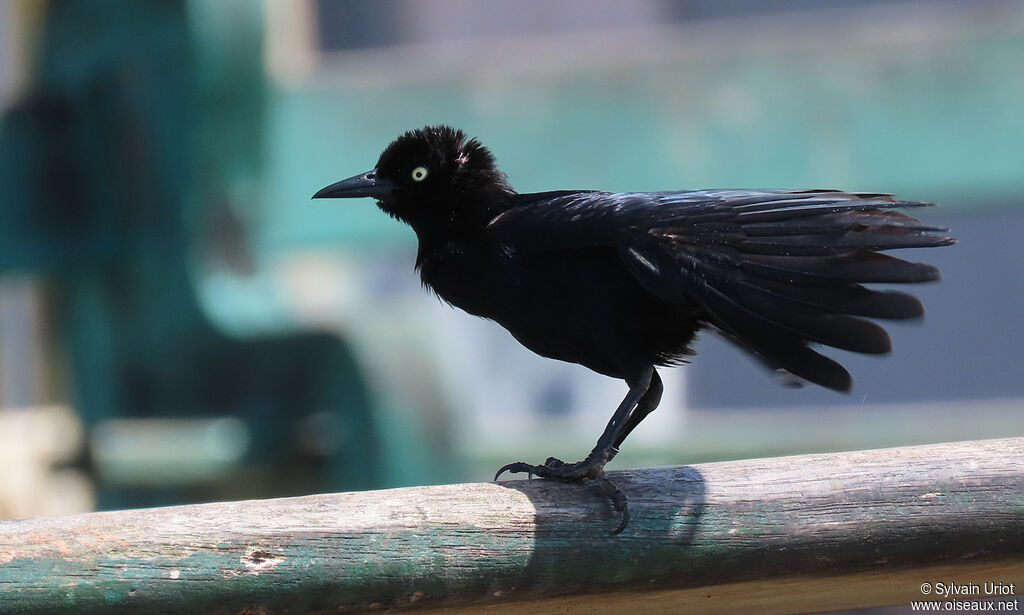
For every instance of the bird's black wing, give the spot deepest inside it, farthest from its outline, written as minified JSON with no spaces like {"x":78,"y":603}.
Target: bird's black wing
{"x":775,"y":270}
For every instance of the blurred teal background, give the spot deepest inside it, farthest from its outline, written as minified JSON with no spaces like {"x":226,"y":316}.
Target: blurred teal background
{"x":165,"y":278}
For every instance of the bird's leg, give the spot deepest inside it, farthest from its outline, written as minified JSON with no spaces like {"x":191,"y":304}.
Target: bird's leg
{"x":637,"y":402}
{"x":605,"y":449}
{"x":645,"y":406}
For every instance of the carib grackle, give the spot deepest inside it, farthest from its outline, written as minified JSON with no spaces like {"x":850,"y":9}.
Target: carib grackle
{"x":622,"y":282}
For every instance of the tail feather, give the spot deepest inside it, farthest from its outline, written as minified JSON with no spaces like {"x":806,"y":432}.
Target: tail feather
{"x":856,"y":266}
{"x":847,"y":298}
{"x":827,"y":244}
{"x":778,"y":271}
{"x":839,"y":330}
{"x":810,"y":314}
{"x":777,"y":346}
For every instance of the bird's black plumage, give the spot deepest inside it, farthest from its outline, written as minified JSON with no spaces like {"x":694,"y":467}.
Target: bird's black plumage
{"x":622,"y":282}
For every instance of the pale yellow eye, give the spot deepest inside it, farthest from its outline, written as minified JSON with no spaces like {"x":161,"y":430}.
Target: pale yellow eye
{"x":419,"y":174}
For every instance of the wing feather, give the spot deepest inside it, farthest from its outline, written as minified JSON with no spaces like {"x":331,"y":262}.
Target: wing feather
{"x":775,"y":270}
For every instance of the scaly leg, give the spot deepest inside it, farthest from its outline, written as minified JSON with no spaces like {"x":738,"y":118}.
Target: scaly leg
{"x":645,"y":406}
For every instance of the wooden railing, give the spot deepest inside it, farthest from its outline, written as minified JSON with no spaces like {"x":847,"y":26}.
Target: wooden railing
{"x":780,"y":535}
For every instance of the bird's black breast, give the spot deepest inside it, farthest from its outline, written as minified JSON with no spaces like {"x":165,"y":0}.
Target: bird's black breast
{"x":579,"y":305}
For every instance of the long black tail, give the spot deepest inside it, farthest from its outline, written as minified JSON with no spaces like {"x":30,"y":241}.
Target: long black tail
{"x":779,"y":270}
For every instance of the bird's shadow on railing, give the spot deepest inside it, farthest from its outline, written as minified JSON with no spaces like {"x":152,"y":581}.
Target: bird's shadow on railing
{"x":574,"y":546}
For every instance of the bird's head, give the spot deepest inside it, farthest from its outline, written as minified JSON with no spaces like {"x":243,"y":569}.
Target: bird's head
{"x":431,"y":177}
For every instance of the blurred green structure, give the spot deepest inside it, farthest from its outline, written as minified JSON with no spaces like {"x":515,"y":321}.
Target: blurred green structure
{"x":133,"y":152}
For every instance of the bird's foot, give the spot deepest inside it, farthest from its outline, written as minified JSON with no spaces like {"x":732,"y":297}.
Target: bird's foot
{"x":556,"y":469}
{"x":590,"y":468}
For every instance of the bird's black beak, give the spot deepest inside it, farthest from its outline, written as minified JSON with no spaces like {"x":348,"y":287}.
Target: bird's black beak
{"x":362,"y":185}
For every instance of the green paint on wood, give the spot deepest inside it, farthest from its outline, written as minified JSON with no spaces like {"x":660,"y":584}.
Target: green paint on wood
{"x":692,"y":526}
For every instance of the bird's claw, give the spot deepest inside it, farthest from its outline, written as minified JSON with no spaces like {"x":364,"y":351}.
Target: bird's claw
{"x":516,"y":468}
{"x":551,"y":468}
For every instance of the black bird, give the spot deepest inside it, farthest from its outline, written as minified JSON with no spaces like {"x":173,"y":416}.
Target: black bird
{"x":622,"y":282}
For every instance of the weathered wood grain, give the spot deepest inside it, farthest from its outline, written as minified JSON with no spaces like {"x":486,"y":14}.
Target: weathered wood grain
{"x":780,"y":535}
